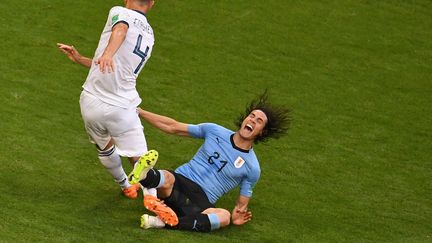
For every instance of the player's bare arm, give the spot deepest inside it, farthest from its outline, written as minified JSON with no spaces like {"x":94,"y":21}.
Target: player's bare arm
{"x":240,"y":214}
{"x":164,"y":123}
{"x":74,"y":55}
{"x":117,"y":37}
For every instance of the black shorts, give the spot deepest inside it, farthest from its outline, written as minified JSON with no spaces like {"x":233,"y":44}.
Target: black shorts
{"x":187,"y":197}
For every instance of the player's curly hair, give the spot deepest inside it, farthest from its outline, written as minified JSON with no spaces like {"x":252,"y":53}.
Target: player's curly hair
{"x":278,"y":118}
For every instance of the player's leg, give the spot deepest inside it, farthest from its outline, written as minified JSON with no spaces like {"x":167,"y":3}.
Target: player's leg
{"x":127,"y":131}
{"x":201,"y":222}
{"x":209,"y":220}
{"x":111,"y":160}
{"x":132,"y":143}
{"x":219,"y":217}
{"x":92,"y":110}
{"x":148,"y":177}
{"x":198,"y":222}
{"x":190,"y":203}
{"x":146,"y":191}
{"x":165,"y":182}
{"x":164,"y":190}
{"x":161,"y":180}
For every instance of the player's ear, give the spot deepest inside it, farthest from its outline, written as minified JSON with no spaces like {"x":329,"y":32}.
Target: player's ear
{"x":263,"y":132}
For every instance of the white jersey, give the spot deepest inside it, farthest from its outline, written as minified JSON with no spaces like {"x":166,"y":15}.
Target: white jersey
{"x":118,"y":88}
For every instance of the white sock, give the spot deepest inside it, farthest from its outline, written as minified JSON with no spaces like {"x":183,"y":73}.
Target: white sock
{"x":150,"y":191}
{"x":156,"y":222}
{"x":112,"y":162}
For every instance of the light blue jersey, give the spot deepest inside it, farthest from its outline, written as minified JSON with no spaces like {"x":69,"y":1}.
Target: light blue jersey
{"x":219,"y":166}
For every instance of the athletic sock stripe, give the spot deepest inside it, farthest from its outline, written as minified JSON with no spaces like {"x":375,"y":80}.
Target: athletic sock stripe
{"x":107,"y":152}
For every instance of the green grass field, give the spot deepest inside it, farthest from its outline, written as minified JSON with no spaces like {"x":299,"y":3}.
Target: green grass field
{"x":355,"y":167}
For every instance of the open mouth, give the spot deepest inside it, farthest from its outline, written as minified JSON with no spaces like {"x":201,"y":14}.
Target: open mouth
{"x":249,"y":127}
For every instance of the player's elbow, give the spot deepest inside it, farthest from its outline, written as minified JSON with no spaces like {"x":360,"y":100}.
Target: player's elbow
{"x":177,"y":128}
{"x":171,"y":129}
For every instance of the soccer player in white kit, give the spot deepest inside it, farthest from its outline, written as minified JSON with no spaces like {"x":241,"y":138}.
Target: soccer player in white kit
{"x":109,"y":98}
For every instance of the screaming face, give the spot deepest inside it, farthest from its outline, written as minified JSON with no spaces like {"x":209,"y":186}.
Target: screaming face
{"x":253,"y":125}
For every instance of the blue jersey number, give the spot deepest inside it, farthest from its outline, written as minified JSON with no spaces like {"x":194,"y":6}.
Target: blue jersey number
{"x":141,"y":54}
{"x":216,"y":156}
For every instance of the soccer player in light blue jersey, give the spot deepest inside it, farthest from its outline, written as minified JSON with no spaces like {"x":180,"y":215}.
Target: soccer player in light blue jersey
{"x":224,"y":161}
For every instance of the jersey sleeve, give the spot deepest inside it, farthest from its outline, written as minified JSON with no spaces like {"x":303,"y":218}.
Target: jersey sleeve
{"x":118,"y":15}
{"x":200,"y":130}
{"x":249,"y":182}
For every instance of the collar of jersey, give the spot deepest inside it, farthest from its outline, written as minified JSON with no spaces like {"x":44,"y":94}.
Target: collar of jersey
{"x":139,"y":12}
{"x":235,"y":146}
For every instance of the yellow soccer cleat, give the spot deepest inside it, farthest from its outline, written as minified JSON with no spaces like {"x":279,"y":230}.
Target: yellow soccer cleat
{"x":142,"y":166}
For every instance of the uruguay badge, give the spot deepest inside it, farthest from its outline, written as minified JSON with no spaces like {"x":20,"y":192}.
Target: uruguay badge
{"x":239,"y":162}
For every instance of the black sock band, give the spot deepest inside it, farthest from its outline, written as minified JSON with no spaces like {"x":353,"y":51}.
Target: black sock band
{"x":108,"y":152}
{"x":198,"y":222}
{"x":152,"y":179}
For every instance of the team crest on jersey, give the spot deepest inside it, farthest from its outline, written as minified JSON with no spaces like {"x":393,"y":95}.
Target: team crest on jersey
{"x":239,"y":162}
{"x":114,"y":18}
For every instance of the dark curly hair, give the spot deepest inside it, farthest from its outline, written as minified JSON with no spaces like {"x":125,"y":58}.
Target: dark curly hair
{"x":278,"y":118}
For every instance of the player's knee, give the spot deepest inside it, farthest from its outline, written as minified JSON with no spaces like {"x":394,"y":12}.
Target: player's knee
{"x":109,"y":145}
{"x":169,"y":179}
{"x":165,"y":189}
{"x":217,"y":218}
{"x":224,"y":217}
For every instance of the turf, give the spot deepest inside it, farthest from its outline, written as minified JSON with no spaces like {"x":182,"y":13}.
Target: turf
{"x":355,"y":167}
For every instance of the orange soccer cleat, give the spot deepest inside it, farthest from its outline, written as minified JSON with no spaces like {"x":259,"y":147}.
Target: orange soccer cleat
{"x":165,"y":213}
{"x":132,"y":191}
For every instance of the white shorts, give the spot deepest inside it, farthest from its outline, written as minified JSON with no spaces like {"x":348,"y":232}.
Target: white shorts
{"x":104,"y":121}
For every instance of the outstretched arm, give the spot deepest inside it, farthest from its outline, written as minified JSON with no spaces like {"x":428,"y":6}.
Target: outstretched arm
{"x":240,"y":214}
{"x":74,"y":55}
{"x":164,"y":123}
